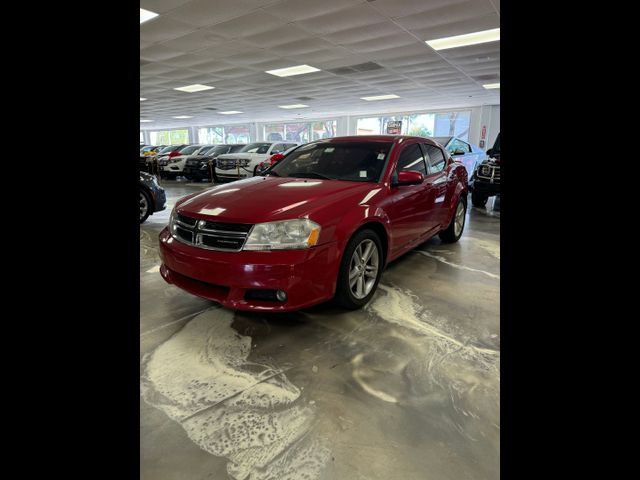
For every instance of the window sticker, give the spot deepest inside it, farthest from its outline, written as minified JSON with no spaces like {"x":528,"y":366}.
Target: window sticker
{"x":363,"y":174}
{"x":381,"y":156}
{"x":329,"y":150}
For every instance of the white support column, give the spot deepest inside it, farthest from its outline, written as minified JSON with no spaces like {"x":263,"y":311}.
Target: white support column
{"x":193,"y":135}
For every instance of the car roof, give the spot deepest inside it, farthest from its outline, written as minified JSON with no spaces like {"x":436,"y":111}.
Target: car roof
{"x":373,"y":138}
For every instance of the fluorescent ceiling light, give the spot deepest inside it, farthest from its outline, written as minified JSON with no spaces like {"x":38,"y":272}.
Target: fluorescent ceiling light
{"x":142,"y":99}
{"x":465,"y":40}
{"x":194,"y":88}
{"x":146,"y":15}
{"x":379,"y":97}
{"x":183,"y":116}
{"x":144,"y":120}
{"x":230,"y":112}
{"x":295,"y":105}
{"x":289,"y":71}
{"x":491,"y":85}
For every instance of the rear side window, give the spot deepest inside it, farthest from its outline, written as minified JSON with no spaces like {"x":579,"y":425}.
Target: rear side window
{"x":411,"y":159}
{"x":436,"y":158}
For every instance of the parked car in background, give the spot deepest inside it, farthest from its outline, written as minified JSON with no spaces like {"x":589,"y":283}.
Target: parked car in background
{"x":485,"y":181}
{"x":170,"y":151}
{"x":152,"y":196}
{"x":172,"y":166}
{"x":197,"y":168}
{"x":244,"y":163}
{"x":322,"y":223}
{"x":466,"y":153}
{"x":146,"y":155}
{"x":271,"y":161}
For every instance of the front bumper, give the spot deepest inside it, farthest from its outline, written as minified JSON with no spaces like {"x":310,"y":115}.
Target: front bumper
{"x":307,"y":276}
{"x":484,"y":187}
{"x":160,"y":199}
{"x":196,"y":171}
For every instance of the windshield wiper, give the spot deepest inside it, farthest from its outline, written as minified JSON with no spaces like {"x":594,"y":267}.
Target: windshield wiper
{"x":309,"y":175}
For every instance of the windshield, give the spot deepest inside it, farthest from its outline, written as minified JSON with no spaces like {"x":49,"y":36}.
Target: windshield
{"x":350,"y":161}
{"x":189,"y":150}
{"x":256,"y":148}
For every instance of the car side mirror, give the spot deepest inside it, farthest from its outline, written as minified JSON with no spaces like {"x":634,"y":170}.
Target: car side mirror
{"x":490,"y":152}
{"x":409,"y":177}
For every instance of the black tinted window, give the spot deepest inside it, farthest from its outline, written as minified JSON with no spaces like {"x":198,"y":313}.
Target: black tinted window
{"x":436,"y":158}
{"x":411,"y":159}
{"x":235,"y":148}
{"x":351,"y":161}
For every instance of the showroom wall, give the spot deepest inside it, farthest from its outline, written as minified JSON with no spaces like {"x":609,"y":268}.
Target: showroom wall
{"x":478,"y":125}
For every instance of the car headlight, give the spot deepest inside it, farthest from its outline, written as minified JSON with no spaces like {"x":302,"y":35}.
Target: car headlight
{"x":286,"y":235}
{"x":174,"y":160}
{"x":172,"y":222}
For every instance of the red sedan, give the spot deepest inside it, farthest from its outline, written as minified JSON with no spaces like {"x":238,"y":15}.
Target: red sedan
{"x":320,"y":224}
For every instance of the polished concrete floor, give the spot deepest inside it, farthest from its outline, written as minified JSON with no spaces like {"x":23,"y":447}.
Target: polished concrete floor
{"x":406,"y":388}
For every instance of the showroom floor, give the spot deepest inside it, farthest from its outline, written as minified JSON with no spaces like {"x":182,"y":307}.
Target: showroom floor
{"x":406,"y":388}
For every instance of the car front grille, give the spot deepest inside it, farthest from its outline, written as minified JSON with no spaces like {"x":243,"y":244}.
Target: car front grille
{"x":490,"y":172}
{"x":226,"y":164}
{"x":211,"y":235}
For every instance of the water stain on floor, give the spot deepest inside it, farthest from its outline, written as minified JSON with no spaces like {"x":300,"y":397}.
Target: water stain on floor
{"x":247,"y":412}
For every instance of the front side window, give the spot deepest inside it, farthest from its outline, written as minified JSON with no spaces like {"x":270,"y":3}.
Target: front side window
{"x":411,"y":159}
{"x":437,"y":159}
{"x":349,"y":161}
{"x":278,"y":148}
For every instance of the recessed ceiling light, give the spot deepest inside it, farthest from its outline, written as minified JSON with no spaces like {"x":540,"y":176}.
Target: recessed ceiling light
{"x":491,"y":85}
{"x":295,"y":105}
{"x":465,"y":40}
{"x":146,"y":15}
{"x":194,"y":88}
{"x":183,"y":116}
{"x":289,"y":71}
{"x":379,"y":97}
{"x":145,"y":120}
{"x":142,"y":99}
{"x":230,"y":112}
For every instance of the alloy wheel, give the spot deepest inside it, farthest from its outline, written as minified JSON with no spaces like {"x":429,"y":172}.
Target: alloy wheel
{"x":363,"y":269}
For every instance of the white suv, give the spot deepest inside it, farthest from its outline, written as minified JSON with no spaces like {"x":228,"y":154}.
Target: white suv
{"x":174,"y":166}
{"x":243,"y":164}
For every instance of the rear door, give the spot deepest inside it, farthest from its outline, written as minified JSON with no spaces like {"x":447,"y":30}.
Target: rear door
{"x":411,"y":214}
{"x":439,"y":182}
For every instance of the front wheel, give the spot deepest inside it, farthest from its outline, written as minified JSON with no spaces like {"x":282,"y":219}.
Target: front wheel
{"x":360,"y":270}
{"x":454,"y":230}
{"x":479,"y":200}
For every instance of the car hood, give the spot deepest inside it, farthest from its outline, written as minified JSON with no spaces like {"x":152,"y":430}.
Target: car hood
{"x":266,"y":199}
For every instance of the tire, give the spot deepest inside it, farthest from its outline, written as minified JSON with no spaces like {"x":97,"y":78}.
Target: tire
{"x":365,"y":283}
{"x":145,"y":205}
{"x":454,"y":231}
{"x":479,"y":200}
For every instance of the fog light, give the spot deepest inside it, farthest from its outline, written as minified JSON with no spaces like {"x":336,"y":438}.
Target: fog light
{"x":281,"y":296}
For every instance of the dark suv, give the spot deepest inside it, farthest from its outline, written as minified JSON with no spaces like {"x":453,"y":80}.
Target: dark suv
{"x":485,"y":181}
{"x":152,"y":196}
{"x":198,"y":168}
